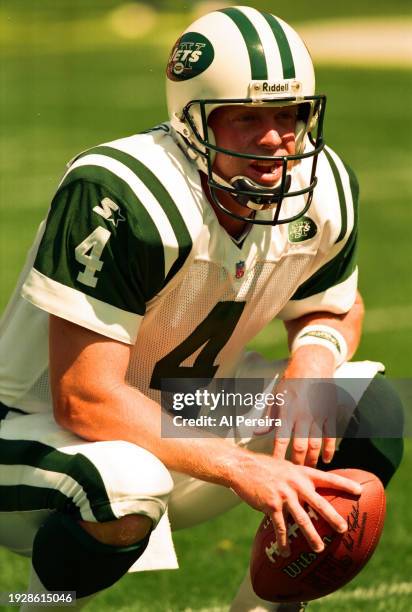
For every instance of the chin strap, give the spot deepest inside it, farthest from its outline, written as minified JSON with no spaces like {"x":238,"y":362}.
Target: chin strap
{"x":263,"y":199}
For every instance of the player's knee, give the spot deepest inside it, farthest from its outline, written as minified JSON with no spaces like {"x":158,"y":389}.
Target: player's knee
{"x":124,"y":531}
{"x":379,"y":412}
{"x":383,"y":405}
{"x":118,"y":479}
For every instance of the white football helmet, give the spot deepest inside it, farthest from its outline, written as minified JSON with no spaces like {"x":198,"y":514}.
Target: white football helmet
{"x":242,"y":56}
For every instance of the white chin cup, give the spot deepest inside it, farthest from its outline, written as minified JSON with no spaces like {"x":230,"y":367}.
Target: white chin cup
{"x":254,"y":185}
{"x":248,"y":183}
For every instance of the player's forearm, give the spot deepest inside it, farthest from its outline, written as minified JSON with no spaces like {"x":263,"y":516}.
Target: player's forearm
{"x":348,"y":324}
{"x":126,"y":414}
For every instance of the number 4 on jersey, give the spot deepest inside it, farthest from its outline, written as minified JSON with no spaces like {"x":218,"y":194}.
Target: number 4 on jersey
{"x":213,"y":332}
{"x":88,"y":254}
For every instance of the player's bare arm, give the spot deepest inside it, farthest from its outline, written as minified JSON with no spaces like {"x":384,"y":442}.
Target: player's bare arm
{"x":348,"y":324}
{"x":313,"y":361}
{"x":97,"y":404}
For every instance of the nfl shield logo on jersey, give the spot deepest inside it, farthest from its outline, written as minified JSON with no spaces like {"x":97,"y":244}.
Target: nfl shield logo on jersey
{"x":240,"y":269}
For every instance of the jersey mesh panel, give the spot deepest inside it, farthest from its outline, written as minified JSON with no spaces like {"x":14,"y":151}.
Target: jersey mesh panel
{"x":38,"y":397}
{"x":266,"y":289}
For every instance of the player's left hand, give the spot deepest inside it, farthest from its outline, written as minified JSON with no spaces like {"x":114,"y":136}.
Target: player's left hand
{"x":310,"y":410}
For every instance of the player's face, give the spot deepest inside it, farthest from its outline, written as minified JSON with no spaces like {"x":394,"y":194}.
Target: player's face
{"x":254,"y":131}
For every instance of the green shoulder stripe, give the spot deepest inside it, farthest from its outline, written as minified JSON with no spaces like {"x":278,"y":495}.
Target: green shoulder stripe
{"x":150,"y":263}
{"x":253,"y":43}
{"x":341,"y":195}
{"x":284,"y":47}
{"x":162,"y":196}
{"x":354,"y":187}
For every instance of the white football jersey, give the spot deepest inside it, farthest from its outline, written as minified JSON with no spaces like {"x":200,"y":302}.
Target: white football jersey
{"x":133,"y":250}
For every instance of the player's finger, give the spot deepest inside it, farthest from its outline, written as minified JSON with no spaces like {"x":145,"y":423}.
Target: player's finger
{"x":282,"y":437}
{"x":299,"y":450}
{"x":314,"y":445}
{"x":305,"y":524}
{"x":329,"y":440}
{"x":334,"y":481}
{"x":300,"y":442}
{"x":328,"y":450}
{"x":281,"y":532}
{"x":280,"y":447}
{"x":322,"y":507}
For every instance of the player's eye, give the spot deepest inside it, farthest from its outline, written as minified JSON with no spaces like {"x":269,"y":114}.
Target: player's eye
{"x":246,"y":118}
{"x":286,"y":116}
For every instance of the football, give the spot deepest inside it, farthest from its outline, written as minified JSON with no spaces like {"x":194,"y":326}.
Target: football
{"x":306,"y":575}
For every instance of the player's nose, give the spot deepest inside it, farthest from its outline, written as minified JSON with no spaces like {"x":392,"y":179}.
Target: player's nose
{"x":269,"y":136}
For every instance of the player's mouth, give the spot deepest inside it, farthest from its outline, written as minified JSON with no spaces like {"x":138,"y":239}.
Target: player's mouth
{"x":265,"y":171}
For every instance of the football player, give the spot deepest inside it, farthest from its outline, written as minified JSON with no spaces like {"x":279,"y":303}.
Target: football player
{"x":162,"y":256}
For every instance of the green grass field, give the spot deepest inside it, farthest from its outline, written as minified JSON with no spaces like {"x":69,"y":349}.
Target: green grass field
{"x":68,"y":80}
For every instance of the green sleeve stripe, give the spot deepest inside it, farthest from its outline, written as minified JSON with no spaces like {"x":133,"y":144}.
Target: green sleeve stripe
{"x":162,"y":196}
{"x":138,"y":219}
{"x":78,"y":467}
{"x":333,"y":272}
{"x":286,"y":57}
{"x":341,"y":194}
{"x":354,"y":187}
{"x":258,"y":66}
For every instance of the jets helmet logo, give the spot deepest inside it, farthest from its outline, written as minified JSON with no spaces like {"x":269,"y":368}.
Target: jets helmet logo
{"x":191,"y":55}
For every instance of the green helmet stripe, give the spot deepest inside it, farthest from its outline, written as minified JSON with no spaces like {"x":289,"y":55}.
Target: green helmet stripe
{"x":283,"y":45}
{"x":253,"y":43}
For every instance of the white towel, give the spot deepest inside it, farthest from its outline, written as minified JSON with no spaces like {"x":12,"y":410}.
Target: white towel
{"x":160,"y":553}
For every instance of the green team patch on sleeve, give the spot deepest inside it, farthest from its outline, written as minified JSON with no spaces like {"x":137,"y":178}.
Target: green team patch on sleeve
{"x":93,"y":241}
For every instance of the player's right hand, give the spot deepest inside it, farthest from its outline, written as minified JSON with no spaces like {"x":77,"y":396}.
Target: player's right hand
{"x":278,"y":487}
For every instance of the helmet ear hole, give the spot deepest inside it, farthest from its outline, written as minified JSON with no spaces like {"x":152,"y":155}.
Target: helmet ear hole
{"x":304,"y":111}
